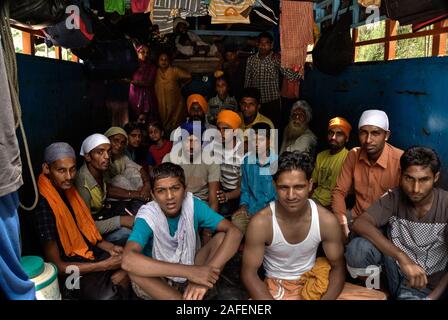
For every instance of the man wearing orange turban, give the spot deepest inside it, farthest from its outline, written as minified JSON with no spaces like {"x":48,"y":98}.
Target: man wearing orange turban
{"x":228,"y":122}
{"x":230,"y":118}
{"x":197,"y":108}
{"x":329,"y":162}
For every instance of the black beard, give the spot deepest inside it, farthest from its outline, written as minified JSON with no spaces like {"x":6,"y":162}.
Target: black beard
{"x":198,"y":118}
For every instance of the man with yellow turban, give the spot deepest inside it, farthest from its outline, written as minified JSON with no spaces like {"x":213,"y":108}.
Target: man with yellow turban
{"x":329,"y":162}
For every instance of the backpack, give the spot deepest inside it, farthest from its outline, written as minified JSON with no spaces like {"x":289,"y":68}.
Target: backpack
{"x":335,"y":50}
{"x":36,"y":14}
{"x":111,"y":59}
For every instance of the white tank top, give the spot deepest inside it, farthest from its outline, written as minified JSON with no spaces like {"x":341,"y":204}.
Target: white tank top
{"x":283,"y":260}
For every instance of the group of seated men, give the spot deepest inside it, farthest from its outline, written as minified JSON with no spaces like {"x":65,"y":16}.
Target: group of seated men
{"x":166,"y":231}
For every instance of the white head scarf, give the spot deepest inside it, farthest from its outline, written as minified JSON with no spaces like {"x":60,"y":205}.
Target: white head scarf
{"x":375,"y":118}
{"x":93,"y":141}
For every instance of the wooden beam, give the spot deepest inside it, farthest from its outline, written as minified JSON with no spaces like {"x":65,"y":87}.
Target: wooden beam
{"x":58,"y":53}
{"x":28,"y":43}
{"x":390,"y":45}
{"x":37,"y":33}
{"x":404,"y":36}
{"x":439,"y":41}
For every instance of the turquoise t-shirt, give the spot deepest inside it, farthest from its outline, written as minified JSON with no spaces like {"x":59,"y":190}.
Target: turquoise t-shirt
{"x":204,"y":217}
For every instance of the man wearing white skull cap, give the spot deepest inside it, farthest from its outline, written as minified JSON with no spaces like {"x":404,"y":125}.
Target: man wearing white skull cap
{"x":91,"y":183}
{"x":370,"y":169}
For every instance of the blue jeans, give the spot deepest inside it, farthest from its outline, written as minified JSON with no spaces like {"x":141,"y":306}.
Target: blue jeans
{"x":119,"y":236}
{"x":361,"y":253}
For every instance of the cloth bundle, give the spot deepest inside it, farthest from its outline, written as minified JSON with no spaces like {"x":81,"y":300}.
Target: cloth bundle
{"x":230,"y":11}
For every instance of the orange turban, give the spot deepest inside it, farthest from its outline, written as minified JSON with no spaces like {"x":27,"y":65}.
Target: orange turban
{"x":197,"y":98}
{"x":218,"y":73}
{"x":340,"y":123}
{"x":229,"y":117}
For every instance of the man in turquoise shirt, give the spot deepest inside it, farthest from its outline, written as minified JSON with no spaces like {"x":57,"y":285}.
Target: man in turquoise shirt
{"x":161,"y":254}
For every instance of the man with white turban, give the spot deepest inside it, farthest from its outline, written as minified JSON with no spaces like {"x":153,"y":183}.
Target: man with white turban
{"x":92,"y":184}
{"x":370,"y":170}
{"x":297,"y":135}
{"x":67,"y":231}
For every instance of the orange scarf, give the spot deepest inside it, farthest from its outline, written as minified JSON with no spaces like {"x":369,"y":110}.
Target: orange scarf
{"x":69,"y":230}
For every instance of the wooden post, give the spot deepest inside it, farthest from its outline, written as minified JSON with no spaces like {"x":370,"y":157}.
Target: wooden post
{"x":28,"y":43}
{"x":355,"y":39}
{"x":390,"y":46}
{"x":439,"y":41}
{"x":58,"y":53}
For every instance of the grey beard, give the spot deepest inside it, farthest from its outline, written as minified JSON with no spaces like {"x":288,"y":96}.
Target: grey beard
{"x":293,"y":131}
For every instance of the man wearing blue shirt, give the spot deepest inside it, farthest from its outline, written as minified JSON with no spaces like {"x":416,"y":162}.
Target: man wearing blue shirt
{"x":257,"y":187}
{"x":161,"y":254}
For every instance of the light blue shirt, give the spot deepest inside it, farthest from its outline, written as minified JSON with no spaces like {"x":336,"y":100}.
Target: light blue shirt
{"x":257,"y":186}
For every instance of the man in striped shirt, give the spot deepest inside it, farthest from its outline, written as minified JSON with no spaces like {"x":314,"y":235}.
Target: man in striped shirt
{"x":228,"y":122}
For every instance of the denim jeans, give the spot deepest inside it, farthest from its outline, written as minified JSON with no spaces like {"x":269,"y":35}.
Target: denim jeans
{"x":361,"y":253}
{"x":119,"y":236}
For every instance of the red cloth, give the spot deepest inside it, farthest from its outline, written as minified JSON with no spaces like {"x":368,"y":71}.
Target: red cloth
{"x":139,"y":5}
{"x":296,"y":32}
{"x":290,"y":89}
{"x":158,"y":154}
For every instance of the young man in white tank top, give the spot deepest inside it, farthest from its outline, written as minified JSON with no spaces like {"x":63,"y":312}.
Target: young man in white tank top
{"x":285,"y":236}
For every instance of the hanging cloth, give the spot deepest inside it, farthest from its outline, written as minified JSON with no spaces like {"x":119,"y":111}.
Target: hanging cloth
{"x":296,"y":32}
{"x":115,"y":6}
{"x":366,"y":3}
{"x":138,"y":6}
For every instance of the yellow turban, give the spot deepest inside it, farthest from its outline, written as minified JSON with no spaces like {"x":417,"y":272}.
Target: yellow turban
{"x":230,"y":118}
{"x":340,"y":123}
{"x":197,"y":98}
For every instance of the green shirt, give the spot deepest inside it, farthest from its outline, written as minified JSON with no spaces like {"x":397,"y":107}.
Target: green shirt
{"x":325,"y":173}
{"x":93,"y":194}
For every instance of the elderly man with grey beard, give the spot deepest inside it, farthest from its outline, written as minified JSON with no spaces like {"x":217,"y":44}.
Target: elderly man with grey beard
{"x":298,"y":136}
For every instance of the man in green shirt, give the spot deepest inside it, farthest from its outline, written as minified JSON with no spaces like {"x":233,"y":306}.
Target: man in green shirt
{"x":329,"y":162}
